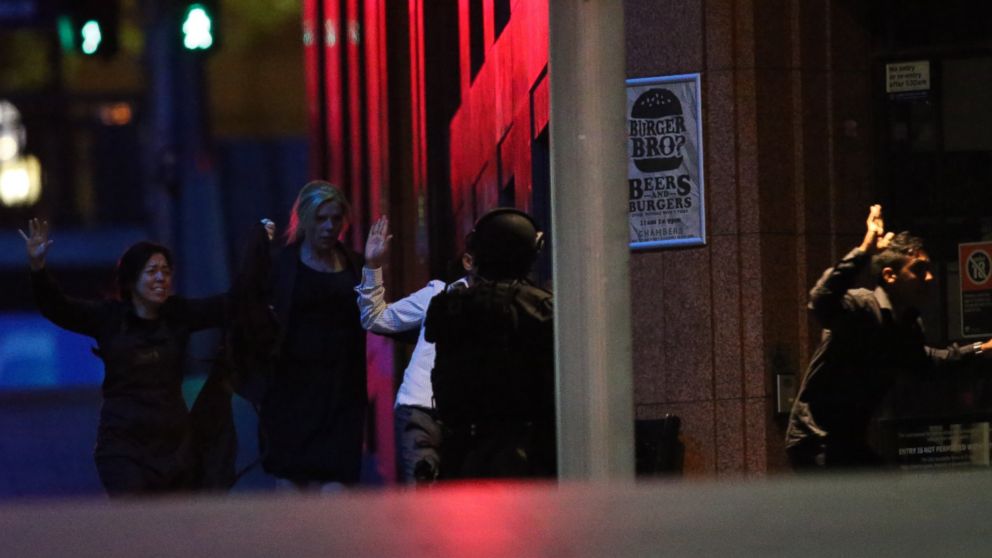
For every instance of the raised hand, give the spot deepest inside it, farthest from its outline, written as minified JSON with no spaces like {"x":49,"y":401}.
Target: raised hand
{"x":270,"y":228}
{"x":36,"y":243}
{"x":884,"y":241}
{"x":377,"y":244}
{"x":875,"y":237}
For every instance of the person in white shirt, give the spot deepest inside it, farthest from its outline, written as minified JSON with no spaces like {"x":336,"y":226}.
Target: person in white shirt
{"x":418,"y":434}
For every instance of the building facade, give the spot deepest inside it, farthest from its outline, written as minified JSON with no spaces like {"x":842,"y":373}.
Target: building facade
{"x":434,"y":112}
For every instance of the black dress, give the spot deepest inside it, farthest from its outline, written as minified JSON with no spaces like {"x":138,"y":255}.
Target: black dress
{"x":313,"y":415}
{"x":144,"y":438}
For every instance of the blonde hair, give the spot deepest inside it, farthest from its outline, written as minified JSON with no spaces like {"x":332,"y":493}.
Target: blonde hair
{"x":313,"y":194}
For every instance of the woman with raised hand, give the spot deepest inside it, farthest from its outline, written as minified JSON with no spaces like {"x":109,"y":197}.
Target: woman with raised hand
{"x":312,"y":416}
{"x":144,"y":441}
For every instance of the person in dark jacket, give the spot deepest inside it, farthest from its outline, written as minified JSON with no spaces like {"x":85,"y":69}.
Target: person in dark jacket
{"x":246,"y":359}
{"x":147,"y":441}
{"x":493,"y":376}
{"x":312,"y":414}
{"x":870,"y":338}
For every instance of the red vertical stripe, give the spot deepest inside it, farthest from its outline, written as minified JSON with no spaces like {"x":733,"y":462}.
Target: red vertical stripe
{"x":380,"y":349}
{"x":417,"y":108}
{"x":422,"y":97}
{"x":333,"y":84}
{"x":488,"y":24}
{"x":311,"y":66}
{"x":353,"y":52}
{"x":464,"y":47}
{"x":376,"y":111}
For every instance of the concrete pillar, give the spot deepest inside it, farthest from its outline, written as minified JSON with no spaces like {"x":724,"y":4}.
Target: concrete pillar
{"x":589,"y":239}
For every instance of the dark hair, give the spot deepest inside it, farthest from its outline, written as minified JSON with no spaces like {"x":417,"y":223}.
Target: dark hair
{"x":901,"y":248}
{"x":133,"y":261}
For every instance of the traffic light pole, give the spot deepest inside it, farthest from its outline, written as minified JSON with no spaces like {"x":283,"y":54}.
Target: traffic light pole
{"x":182,"y":193}
{"x":160,"y":153}
{"x":201,"y":231}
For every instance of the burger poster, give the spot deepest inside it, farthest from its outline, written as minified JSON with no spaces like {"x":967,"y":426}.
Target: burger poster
{"x":665,"y":162}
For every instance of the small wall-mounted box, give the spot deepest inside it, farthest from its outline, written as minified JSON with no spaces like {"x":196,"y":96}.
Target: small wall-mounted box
{"x":785,"y":392}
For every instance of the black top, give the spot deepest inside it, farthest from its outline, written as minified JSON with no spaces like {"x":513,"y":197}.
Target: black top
{"x":313,"y":414}
{"x":864,"y":349}
{"x":144,"y":416}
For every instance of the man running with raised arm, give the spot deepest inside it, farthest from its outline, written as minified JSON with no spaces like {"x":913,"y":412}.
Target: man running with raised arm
{"x":870,"y":338}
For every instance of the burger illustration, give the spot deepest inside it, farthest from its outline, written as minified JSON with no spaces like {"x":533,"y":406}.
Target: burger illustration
{"x":655,"y":105}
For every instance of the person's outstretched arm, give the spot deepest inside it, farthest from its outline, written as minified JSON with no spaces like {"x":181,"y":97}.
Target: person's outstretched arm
{"x":217,"y":310}
{"x":956,"y":353}
{"x":376,"y":315}
{"x":80,"y":316}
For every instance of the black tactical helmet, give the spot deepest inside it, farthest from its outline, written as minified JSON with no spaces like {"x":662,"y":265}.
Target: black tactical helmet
{"x":504,"y":244}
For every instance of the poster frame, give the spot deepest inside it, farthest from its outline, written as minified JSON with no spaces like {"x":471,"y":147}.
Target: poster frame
{"x":700,"y":238}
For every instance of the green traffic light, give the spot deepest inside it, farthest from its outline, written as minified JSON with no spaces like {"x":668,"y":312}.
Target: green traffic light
{"x":91,"y":35}
{"x":197,"y":28}
{"x":67,"y":36}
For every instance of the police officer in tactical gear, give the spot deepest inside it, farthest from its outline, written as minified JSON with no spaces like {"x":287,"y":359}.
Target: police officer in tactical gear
{"x":493,"y":375}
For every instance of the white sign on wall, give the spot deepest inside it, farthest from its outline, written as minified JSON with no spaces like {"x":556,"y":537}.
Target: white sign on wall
{"x":901,"y":77}
{"x":665,"y":162}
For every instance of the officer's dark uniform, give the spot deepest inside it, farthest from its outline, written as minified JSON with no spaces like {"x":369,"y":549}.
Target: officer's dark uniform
{"x":493,"y":376}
